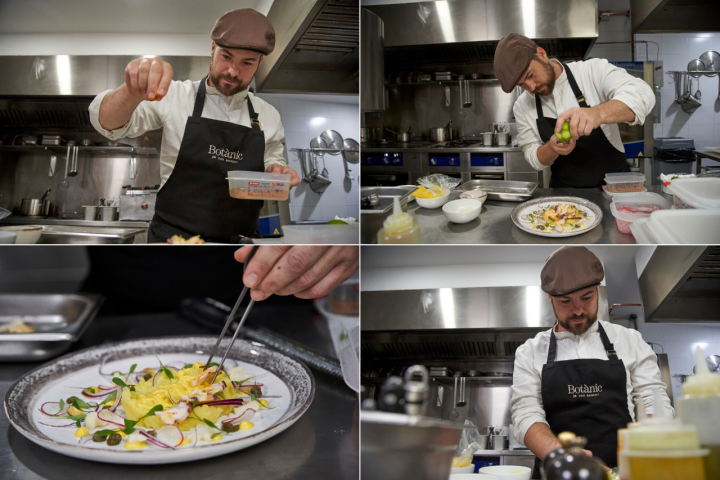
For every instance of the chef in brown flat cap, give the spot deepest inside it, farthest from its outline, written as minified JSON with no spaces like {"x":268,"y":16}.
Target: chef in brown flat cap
{"x":210,"y":127}
{"x":584,"y":375}
{"x":593,"y":96}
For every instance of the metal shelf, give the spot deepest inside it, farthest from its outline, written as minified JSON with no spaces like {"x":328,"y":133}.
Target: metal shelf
{"x":99,"y":150}
{"x":451,"y":380}
{"x":443,"y":82}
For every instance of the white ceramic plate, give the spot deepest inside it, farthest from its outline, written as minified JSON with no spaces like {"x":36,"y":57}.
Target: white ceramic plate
{"x":593,"y":211}
{"x":280,"y":375}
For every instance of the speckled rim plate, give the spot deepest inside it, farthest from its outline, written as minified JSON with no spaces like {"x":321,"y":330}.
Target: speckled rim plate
{"x":24,"y":396}
{"x":536,"y":203}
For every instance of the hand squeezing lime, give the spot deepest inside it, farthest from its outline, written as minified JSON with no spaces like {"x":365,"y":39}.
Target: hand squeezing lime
{"x":564,"y":134}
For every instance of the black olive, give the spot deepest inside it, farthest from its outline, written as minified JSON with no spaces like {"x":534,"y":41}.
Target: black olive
{"x":257,"y":391}
{"x":114,"y":439}
{"x":99,"y":438}
{"x":229,"y":427}
{"x":147,"y":377}
{"x":70,"y":400}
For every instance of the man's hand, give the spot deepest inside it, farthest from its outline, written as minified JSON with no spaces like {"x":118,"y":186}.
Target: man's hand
{"x":560,"y":148}
{"x":304,"y":271}
{"x":277,"y":168}
{"x":148,"y":78}
{"x":582,"y":121}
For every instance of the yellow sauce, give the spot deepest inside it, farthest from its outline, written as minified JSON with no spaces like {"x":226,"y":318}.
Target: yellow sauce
{"x":185,"y":441}
{"x":81,"y":432}
{"x":75,"y":411}
{"x":216,"y":439}
{"x":263,"y":403}
{"x":122,"y":434}
{"x":135,"y":445}
{"x":246,"y":425}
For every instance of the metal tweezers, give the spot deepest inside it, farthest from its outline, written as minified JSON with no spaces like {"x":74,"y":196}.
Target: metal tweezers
{"x":230,"y":319}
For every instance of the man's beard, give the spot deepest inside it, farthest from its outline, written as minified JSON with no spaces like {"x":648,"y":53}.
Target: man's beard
{"x":577,"y":328}
{"x":222,"y":88}
{"x":551,"y":84}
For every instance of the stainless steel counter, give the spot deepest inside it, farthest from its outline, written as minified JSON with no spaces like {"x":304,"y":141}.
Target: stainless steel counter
{"x":494,"y":226}
{"x":324,"y":443}
{"x":399,"y":148}
{"x":72,"y":222}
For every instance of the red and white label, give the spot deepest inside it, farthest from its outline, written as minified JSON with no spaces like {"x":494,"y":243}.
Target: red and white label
{"x":254,"y":184}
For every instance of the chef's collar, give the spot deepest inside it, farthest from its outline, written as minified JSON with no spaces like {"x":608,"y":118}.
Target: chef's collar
{"x":238,"y":97}
{"x":563,"y":76}
{"x":568,"y":334}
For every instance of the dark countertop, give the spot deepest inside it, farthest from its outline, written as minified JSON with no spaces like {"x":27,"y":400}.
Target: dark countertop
{"x":324,"y":443}
{"x":494,"y":225}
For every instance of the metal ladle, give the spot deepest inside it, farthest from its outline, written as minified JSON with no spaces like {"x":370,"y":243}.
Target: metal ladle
{"x":454,"y":414}
{"x":462,"y":401}
{"x":64,"y":185}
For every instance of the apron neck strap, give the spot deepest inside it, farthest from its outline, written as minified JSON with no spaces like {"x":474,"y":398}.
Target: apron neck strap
{"x":579,"y":96}
{"x":609,"y":349}
{"x":200,"y":103}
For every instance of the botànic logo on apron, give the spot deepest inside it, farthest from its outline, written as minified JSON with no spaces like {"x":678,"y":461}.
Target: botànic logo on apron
{"x":224,"y":154}
{"x":583,"y":391}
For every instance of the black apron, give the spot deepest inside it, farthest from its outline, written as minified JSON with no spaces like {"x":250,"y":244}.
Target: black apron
{"x":587,"y":397}
{"x":195,"y":200}
{"x":592,"y":157}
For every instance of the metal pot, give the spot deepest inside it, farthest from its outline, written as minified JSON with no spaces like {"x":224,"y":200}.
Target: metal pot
{"x":366,"y":134}
{"x":438,"y":134}
{"x":30,"y":207}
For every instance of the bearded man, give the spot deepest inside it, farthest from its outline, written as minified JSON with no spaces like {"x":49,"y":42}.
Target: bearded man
{"x":210,"y":127}
{"x":584,"y":375}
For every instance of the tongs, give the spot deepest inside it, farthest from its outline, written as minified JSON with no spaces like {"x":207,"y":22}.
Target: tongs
{"x":230,"y":319}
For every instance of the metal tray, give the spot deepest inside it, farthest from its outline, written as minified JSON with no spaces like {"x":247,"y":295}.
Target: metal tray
{"x":60,"y":320}
{"x":87,"y":235}
{"x":503,"y":190}
{"x":386,"y":195}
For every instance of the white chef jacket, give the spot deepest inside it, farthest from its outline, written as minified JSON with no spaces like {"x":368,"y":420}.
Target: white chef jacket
{"x":642,"y":372}
{"x":171,"y":114}
{"x":600,"y":82}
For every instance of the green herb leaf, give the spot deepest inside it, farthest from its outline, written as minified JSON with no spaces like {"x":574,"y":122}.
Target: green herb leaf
{"x":189,"y":365}
{"x":214,"y":435}
{"x":213,"y":364}
{"x":77,"y":418}
{"x":110,"y":397}
{"x":104,"y":433}
{"x":167,"y":372}
{"x":210,"y":424}
{"x":134,"y":366}
{"x":79,"y":404}
{"x":62,"y":405}
{"x":156,"y":408}
{"x":220,"y":394}
{"x":117,"y":381}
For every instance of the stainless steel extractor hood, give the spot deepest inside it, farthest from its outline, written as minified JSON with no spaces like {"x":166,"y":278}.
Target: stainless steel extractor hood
{"x":455,"y":322}
{"x":316,"y":48}
{"x":682,"y":284}
{"x":462,"y":31}
{"x":675,"y":16}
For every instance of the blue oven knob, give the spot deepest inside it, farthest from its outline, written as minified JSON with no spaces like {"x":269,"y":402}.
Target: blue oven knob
{"x":452,"y":161}
{"x":386,"y":161}
{"x":433,"y":162}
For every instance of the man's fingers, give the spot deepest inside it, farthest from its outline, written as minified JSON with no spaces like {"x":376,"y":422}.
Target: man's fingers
{"x":561,"y":119}
{"x":143,"y":72}
{"x":167,"y":76}
{"x":331,"y":258}
{"x":574,"y":127}
{"x":262,"y":263}
{"x":133,"y":76}
{"x":154,"y":76}
{"x":294,"y":263}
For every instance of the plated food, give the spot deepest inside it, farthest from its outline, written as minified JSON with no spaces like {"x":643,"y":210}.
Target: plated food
{"x":95,"y":405}
{"x":179,"y":240}
{"x":557,"y":216}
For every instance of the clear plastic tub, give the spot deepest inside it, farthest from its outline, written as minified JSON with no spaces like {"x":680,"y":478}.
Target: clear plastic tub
{"x":628,"y":209}
{"x":703,"y":192}
{"x":624,"y":182}
{"x":259,"y":185}
{"x":701,"y":226}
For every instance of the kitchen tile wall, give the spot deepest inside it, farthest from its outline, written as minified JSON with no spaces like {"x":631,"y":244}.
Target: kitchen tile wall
{"x":305,"y":117}
{"x":676,"y":50}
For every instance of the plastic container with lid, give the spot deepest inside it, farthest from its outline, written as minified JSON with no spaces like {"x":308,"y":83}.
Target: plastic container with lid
{"x":700,"y":407}
{"x":663,"y":448}
{"x":624,"y":182}
{"x":703,"y":192}
{"x":259,"y":185}
{"x":628,"y":209}
{"x":399,"y":228}
{"x":679,"y":227}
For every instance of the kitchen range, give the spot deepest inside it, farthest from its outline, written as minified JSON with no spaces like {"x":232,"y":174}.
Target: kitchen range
{"x":455,"y":359}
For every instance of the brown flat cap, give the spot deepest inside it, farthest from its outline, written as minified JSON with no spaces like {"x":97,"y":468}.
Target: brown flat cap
{"x":512,"y":57}
{"x":569,"y":269}
{"x":244,"y":28}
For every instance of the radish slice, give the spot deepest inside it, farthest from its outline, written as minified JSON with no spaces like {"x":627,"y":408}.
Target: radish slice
{"x":220,"y":403}
{"x":59,"y":413}
{"x":239,"y":385}
{"x":195,"y":434}
{"x":173,"y":369}
{"x":60,"y":426}
{"x":246,"y":415}
{"x":155,"y":441}
{"x":118,"y":399}
{"x":171,"y":435}
{"x":111,"y":417}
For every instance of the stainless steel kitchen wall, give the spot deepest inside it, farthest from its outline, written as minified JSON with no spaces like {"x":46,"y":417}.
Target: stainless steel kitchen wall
{"x":425,"y":106}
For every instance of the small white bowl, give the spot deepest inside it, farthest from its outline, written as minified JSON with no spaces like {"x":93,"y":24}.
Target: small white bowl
{"x":479,"y":195}
{"x":507,"y":472}
{"x":26,"y":234}
{"x":453,"y":213}
{"x":433,"y":202}
{"x":8,"y":237}
{"x":472,"y":476}
{"x":469,"y":469}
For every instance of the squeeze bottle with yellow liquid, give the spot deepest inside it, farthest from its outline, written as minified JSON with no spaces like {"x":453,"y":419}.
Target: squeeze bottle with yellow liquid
{"x":700,"y":406}
{"x":399,"y":227}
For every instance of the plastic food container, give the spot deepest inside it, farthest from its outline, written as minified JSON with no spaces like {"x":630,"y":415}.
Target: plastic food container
{"x":628,"y":209}
{"x":624,"y":182}
{"x":321,"y":234}
{"x":259,"y":186}
{"x":701,"y":192}
{"x":688,"y":227}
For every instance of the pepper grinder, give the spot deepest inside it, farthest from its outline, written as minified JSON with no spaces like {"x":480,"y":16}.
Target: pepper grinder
{"x":571,"y":463}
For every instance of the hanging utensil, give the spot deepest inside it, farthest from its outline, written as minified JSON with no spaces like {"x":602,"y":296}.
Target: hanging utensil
{"x":230,"y":319}
{"x":73,"y":162}
{"x":133,"y":165}
{"x":325,"y":170}
{"x":462,"y":401}
{"x":53,"y":163}
{"x":711,"y":60}
{"x":334,"y":141}
{"x":454,"y":414}
{"x":64,"y":185}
